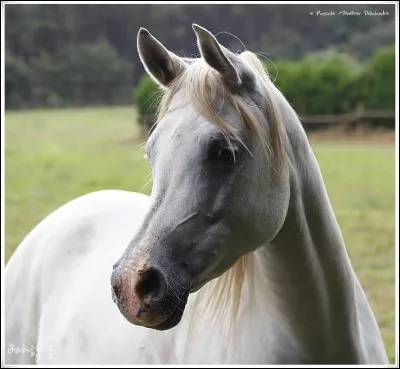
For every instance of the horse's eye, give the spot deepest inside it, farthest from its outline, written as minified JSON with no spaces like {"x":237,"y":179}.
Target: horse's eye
{"x":219,"y":152}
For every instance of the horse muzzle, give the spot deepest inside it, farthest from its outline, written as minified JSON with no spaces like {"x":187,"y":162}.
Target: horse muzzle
{"x":145,"y":297}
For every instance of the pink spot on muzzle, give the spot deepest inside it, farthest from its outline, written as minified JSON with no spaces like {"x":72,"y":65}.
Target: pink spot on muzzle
{"x":139,"y":295}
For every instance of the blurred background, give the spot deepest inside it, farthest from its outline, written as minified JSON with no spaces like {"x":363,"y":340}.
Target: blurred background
{"x":79,"y":106}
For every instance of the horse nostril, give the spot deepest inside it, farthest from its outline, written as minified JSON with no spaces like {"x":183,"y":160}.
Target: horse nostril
{"x":151,"y":285}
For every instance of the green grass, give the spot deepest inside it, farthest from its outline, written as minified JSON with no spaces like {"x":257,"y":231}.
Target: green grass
{"x":360,"y":181}
{"x":53,"y":156}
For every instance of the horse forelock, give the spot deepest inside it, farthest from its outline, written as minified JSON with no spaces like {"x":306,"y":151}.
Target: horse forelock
{"x":204,"y":89}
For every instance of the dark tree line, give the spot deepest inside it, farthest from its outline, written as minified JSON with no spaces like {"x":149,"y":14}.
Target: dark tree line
{"x":86,"y":54}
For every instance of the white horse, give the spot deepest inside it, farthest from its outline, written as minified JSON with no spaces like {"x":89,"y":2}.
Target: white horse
{"x":235,"y":258}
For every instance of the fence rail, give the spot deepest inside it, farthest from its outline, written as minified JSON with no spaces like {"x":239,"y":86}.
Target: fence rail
{"x":372,"y":118}
{"x":383,"y":118}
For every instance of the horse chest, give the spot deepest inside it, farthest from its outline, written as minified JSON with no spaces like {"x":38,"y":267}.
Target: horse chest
{"x":115,"y":342}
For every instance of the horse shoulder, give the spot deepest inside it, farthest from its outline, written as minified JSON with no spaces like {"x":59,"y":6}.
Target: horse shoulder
{"x":67,"y":243}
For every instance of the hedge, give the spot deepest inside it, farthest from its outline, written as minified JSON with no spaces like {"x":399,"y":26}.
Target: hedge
{"x":317,"y":86}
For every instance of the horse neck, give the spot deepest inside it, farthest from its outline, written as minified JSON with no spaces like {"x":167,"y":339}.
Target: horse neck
{"x":307,"y":267}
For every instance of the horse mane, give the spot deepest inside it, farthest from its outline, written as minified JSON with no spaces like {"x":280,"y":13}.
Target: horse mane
{"x":201,"y":84}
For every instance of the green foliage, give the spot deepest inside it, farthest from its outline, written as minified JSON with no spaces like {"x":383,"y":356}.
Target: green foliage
{"x":378,"y":82}
{"x":18,"y":80}
{"x":47,"y":76}
{"x":90,"y":73}
{"x":78,"y":54}
{"x":337,"y":84}
{"x":325,"y":83}
{"x":146,"y":96}
{"x":318,"y":86}
{"x":95,"y":73}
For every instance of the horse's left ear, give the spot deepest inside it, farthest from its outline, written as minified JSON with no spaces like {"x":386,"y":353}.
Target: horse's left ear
{"x":216,"y":55}
{"x":161,"y":64}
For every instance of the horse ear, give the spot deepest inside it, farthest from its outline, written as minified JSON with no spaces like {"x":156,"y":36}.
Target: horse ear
{"x":217,"y":56}
{"x":162,"y":65}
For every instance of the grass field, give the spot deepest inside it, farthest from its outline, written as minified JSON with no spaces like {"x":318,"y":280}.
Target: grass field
{"x":55,"y":156}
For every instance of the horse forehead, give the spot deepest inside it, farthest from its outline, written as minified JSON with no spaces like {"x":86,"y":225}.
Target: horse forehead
{"x":183,"y":125}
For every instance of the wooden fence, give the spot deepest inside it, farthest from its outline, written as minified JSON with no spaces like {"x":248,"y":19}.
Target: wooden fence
{"x":372,"y":118}
{"x":360,"y":117}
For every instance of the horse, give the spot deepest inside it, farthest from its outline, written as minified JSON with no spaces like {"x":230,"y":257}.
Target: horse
{"x":236,"y":256}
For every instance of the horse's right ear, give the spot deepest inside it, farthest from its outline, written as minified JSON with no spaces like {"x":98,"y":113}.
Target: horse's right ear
{"x":162,"y":65}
